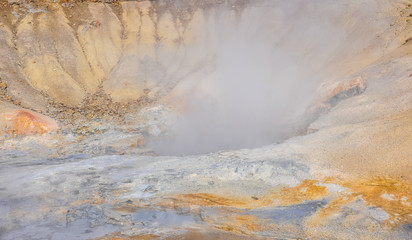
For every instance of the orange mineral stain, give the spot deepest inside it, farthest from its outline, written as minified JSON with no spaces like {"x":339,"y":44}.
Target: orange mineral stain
{"x":393,"y":196}
{"x":308,"y":190}
{"x":205,"y":199}
{"x":25,"y":122}
{"x":248,"y":222}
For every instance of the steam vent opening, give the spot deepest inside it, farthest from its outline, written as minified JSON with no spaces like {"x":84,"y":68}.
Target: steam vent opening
{"x":256,"y":73}
{"x":205,"y":119}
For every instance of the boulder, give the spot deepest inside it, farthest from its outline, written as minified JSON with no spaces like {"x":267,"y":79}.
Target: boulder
{"x":25,"y":122}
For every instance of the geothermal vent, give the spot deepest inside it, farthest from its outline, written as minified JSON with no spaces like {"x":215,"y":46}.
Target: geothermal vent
{"x":212,"y":119}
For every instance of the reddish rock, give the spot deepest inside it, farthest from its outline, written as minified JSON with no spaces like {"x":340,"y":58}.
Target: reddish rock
{"x":329,"y":96}
{"x":348,"y":88}
{"x":25,"y":122}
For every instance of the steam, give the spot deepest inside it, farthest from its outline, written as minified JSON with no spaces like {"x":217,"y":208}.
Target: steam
{"x":267,"y":63}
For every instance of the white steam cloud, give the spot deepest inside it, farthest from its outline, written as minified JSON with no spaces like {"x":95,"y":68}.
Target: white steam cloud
{"x":267,"y":62}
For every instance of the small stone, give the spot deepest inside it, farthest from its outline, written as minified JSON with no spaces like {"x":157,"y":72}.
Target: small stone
{"x":17,"y":2}
{"x":150,"y":189}
{"x":95,"y":23}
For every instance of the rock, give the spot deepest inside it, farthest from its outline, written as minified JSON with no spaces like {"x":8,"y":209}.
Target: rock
{"x":14,"y":83}
{"x":330,"y":95}
{"x":3,"y":86}
{"x":342,"y":90}
{"x":41,"y":63}
{"x":26,"y":122}
{"x":100,"y":38}
{"x":154,"y":121}
{"x":17,"y":2}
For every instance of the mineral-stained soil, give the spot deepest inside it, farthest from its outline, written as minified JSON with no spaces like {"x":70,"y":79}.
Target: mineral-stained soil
{"x":85,"y":85}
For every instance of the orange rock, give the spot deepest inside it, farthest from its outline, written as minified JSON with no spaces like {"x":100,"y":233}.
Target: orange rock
{"x":357,"y":83}
{"x":25,"y":122}
{"x":330,"y":95}
{"x":3,"y":86}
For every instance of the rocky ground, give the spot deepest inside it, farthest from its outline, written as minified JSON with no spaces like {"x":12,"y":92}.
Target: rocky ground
{"x":77,"y":116}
